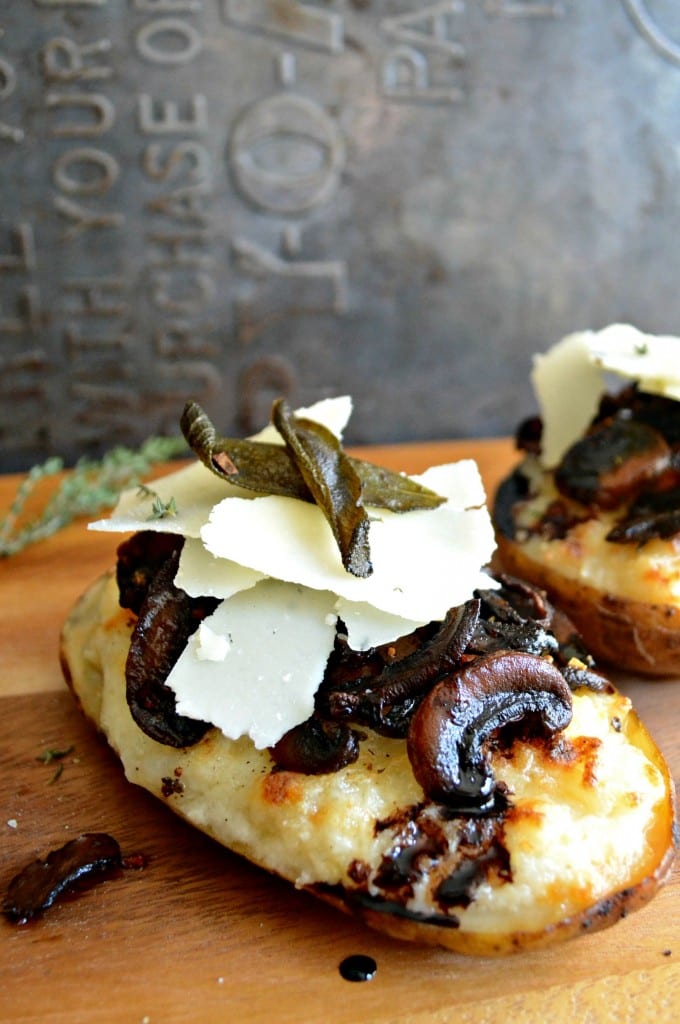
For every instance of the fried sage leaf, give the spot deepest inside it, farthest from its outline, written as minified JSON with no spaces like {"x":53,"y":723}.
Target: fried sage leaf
{"x":255,"y":466}
{"x":399,"y":493}
{"x":332,"y":481}
{"x":311,"y":466}
{"x":271,"y":468}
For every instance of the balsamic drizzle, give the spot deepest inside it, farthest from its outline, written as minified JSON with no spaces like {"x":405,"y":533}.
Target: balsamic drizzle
{"x":358,"y":967}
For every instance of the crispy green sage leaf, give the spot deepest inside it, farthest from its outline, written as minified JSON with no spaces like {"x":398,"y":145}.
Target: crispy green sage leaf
{"x":311,"y":466}
{"x":271,"y":469}
{"x":255,"y":466}
{"x":332,"y":480}
{"x":383,"y":488}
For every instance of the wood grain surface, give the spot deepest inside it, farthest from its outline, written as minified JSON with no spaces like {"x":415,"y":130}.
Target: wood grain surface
{"x":200,"y":935}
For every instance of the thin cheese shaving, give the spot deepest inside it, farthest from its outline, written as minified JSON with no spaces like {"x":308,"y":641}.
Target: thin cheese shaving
{"x":568,"y":387}
{"x":424,"y":562}
{"x":201,"y":574}
{"x":276,"y":641}
{"x":195,"y":491}
{"x":369,"y":627}
{"x":334,"y":413}
{"x":652,"y":360}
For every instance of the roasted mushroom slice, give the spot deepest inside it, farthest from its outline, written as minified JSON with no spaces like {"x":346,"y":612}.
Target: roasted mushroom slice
{"x":651,"y":516}
{"x":41,"y":882}
{"x":139,"y":558}
{"x":452,"y":724}
{"x":384,"y":694}
{"x":316,"y":747}
{"x":612,"y":462}
{"x":167,"y":618}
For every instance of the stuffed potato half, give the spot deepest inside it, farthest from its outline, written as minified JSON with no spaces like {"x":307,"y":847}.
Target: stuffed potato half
{"x":586,"y":835}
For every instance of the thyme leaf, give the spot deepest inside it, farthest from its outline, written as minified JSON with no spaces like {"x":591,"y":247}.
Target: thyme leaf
{"x":91,"y":486}
{"x":162,"y":509}
{"x":159,"y":509}
{"x":49,"y":756}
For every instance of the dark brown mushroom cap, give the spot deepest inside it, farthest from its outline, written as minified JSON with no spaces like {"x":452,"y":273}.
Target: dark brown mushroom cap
{"x":316,"y":747}
{"x":448,"y":731}
{"x":41,"y":882}
{"x":140,"y":557}
{"x":654,"y":515}
{"x":167,"y":618}
{"x":382,"y":694}
{"x":612,"y":462}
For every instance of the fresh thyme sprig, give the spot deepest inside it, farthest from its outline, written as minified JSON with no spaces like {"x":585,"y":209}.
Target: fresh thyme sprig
{"x":49,"y":756}
{"x":91,"y":486}
{"x":160,"y":509}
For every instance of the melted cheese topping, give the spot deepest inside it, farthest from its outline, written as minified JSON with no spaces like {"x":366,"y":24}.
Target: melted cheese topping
{"x":581,"y":826}
{"x":649,"y":573}
{"x":570,"y":830}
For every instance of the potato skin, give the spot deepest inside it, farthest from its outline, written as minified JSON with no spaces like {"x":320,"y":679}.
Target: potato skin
{"x":642,"y":881}
{"x":636,"y":636}
{"x":603,"y":914}
{"x":645,"y":881}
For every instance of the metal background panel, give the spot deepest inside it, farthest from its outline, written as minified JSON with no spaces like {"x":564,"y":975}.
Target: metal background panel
{"x":234,"y":199}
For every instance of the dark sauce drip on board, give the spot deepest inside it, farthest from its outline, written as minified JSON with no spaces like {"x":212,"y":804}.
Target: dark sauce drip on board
{"x":358,"y":967}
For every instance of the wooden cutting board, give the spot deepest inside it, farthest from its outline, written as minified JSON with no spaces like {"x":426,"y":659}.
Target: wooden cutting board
{"x":199,"y":935}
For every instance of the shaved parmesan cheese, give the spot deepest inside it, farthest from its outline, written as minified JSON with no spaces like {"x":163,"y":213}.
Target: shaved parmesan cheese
{"x":369,"y":627}
{"x":194,"y":490}
{"x":570,"y":378}
{"x":201,"y":574}
{"x":568,"y":387}
{"x":458,"y":482}
{"x":651,"y":360}
{"x":424,"y":562}
{"x":278,"y":637}
{"x":333,"y":413}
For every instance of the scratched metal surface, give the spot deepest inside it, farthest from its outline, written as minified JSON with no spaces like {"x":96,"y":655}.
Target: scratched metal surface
{"x":230,"y":199}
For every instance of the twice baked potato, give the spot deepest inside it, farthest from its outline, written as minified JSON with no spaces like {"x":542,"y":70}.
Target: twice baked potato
{"x":592,"y":512}
{"x":582,"y":835}
{"x":462,"y":778}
